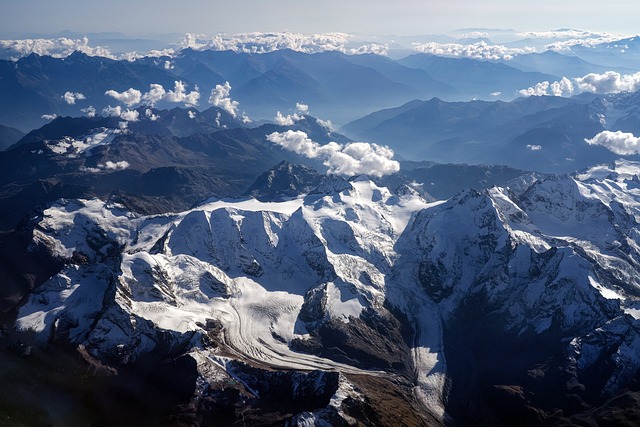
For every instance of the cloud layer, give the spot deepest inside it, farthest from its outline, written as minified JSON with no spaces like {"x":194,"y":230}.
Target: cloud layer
{"x":354,"y":158}
{"x":589,"y":42}
{"x":565,"y":33}
{"x":257,"y":42}
{"x":621,"y":143}
{"x":608,"y":82}
{"x":269,"y":42}
{"x":63,"y":47}
{"x":157,"y":93}
{"x":57,"y":48}
{"x":480,"y":50}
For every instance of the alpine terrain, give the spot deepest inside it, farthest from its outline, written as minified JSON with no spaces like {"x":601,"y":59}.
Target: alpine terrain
{"x":352,"y":304}
{"x":328,"y":229}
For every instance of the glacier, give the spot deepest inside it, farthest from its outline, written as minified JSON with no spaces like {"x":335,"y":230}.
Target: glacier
{"x":261,"y":283}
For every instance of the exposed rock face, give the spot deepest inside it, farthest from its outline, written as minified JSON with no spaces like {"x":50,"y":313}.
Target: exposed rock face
{"x":487,"y":309}
{"x":285,"y":180}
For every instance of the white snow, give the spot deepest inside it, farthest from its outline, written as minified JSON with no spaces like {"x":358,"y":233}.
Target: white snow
{"x":250,"y":264}
{"x":253,"y":205}
{"x":74,"y":147}
{"x":199,"y":268}
{"x":605,"y":292}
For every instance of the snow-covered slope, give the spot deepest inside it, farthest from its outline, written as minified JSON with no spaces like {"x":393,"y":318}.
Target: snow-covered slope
{"x":356,"y":279}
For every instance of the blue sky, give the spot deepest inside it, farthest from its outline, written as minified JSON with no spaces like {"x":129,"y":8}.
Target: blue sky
{"x":354,"y":16}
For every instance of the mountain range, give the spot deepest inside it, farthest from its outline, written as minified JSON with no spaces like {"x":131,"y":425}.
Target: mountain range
{"x":187,"y":240}
{"x":337,"y":86}
{"x":542,"y":133}
{"x":543,"y":315}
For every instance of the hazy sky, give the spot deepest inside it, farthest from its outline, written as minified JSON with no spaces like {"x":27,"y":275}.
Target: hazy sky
{"x":382,"y":17}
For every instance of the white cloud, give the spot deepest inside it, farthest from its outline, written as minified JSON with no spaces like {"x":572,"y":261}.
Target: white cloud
{"x":109,"y":165}
{"x":192,"y":114}
{"x":179,"y":94}
{"x":63,"y":47}
{"x":608,"y":82}
{"x":350,"y":159}
{"x":474,"y":35}
{"x":88,"y":169}
{"x":564,"y":87}
{"x":540,"y":89}
{"x":149,"y":113}
{"x":117,"y":111}
{"x":498,"y":93}
{"x":287,"y":120}
{"x":168,"y":65}
{"x":302,"y":108}
{"x":589,"y":42}
{"x":112,"y":111}
{"x":534,"y":147}
{"x":220,"y":98}
{"x":325,"y":124}
{"x":371,"y":48}
{"x":129,"y":97}
{"x":49,"y":116}
{"x":57,"y":48}
{"x":290,"y":119}
{"x":71,"y":97}
{"x":156,"y":94}
{"x":268,"y":42}
{"x":90,"y":110}
{"x":561,"y":34}
{"x":130,"y":115}
{"x":123,"y":126}
{"x":480,"y":50}
{"x":618,"y":142}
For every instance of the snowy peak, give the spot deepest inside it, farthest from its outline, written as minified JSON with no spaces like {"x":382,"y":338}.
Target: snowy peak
{"x":358,"y":279}
{"x":227,"y":259}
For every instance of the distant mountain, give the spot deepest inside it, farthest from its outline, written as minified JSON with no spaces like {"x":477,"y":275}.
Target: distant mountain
{"x":34,"y":86}
{"x":335,"y":85}
{"x":9,"y":136}
{"x":544,"y":134}
{"x":558,"y":64}
{"x":476,"y":78}
{"x":620,"y":53}
{"x":444,"y":181}
{"x":164,"y":162}
{"x":419,"y":123}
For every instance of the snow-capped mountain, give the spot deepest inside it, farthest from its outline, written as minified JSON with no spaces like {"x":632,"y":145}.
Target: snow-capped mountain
{"x":352,"y":295}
